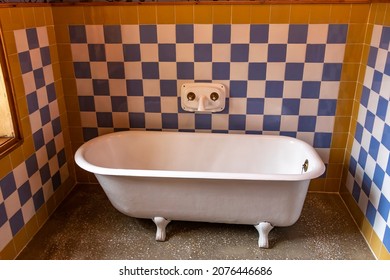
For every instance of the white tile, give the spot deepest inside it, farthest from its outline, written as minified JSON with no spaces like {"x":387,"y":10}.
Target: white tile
{"x":28,"y":82}
{"x":95,"y":34}
{"x":324,"y":154}
{"x":36,"y":58}
{"x":278,"y":33}
{"x":99,"y":70}
{"x":53,"y":165}
{"x":273,"y":106}
{"x":329,"y":90}
{"x":325,"y":123}
{"x":362,"y":115}
{"x":80,"y":52}
{"x":317,"y":34}
{"x":370,"y":167}
{"x":48,"y":74}
{"x":350,"y":182}
{"x":42,"y":97}
{"x":254,"y":122}
{"x":41,"y":155}
{"x":296,"y":53}
{"x":28,"y":210}
{"x":88,"y":119}
{"x":120,"y":119}
{"x":376,"y":35}
{"x":20,"y":174}
{"x":307,"y":137}
{"x":167,"y":70}
{"x":386,"y":187}
{"x":379,"y":226}
{"x":375,"y":195}
{"x":221,"y":53}
{"x":114,"y":52}
{"x":136,"y":104}
{"x":220,"y":122}
{"x":47,"y":190}
{"x":275,"y":71}
{"x":203,"y":70}
{"x":381,"y":60}
{"x":12,"y":204}
{"x":103,"y":104}
{"x":308,"y":107}
{"x":238,"y":71}
{"x":373,"y":102}
{"x":334,"y":53}
{"x":292,"y":89}
{"x":84,"y":87}
{"x":312,"y":71}
{"x":368,"y":77}
{"x":256,"y":89}
{"x":6,"y":235}
{"x":363,"y":201}
{"x":59,"y":142}
{"x":151,"y":87}
{"x":133,"y":70}
{"x":185,"y":52}
{"x":240,"y":33}
{"x":355,"y":149}
{"x":377,"y":130}
{"x":21,"y":38}
{"x":237,"y":106}
{"x":203,"y":33}
{"x":169,"y":104}
{"x":130,"y":34}
{"x":289,"y":123}
{"x":153,"y":120}
{"x":35,"y":121}
{"x":359,"y":175}
{"x":383,"y":156}
{"x":186,"y":121}
{"x":385,"y":88}
{"x":117,"y":87}
{"x":166,"y":34}
{"x":258,"y":52}
{"x":35,"y":182}
{"x":43,"y":39}
{"x":366,"y":138}
{"x":149,"y":52}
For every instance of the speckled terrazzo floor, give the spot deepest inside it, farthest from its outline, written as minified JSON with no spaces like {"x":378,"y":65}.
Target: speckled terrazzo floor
{"x":86,"y":226}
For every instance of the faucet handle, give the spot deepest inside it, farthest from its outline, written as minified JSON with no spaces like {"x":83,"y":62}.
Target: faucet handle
{"x":214,"y":96}
{"x":191,"y":96}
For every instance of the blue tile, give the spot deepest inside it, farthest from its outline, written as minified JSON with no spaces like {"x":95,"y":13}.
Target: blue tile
{"x":365,"y":96}
{"x":337,"y":33}
{"x":45,"y":115}
{"x":327,"y":107}
{"x":382,"y":109}
{"x":24,"y":192}
{"x":352,"y":166}
{"x":104,"y":119}
{"x":39,"y":140}
{"x":86,"y":103}
{"x":277,"y":52}
{"x":237,"y":122}
{"x":385,"y":38}
{"x":45,"y":173}
{"x":134,"y":88}
{"x":386,"y":137}
{"x":315,"y":53}
{"x":167,"y":52}
{"x":371,"y":213}
{"x":289,"y":133}
{"x":221,"y":71}
{"x":386,"y":239}
{"x":132,"y":52}
{"x":184,"y":33}
{"x":32,"y":102}
{"x":359,"y":132}
{"x":274,"y":89}
{"x":31,"y":165}
{"x":238,"y":88}
{"x":45,"y":56}
{"x":356,"y":191}
{"x":51,"y":92}
{"x":255,"y":106}
{"x":16,"y":222}
{"x":168,"y":87}
{"x":116,"y":70}
{"x":362,"y":158}
{"x":388,"y":166}
{"x":369,"y":123}
{"x":379,"y":176}
{"x":39,"y":78}
{"x":332,"y":71}
{"x":202,"y":121}
{"x":82,"y":70}
{"x":8,"y":185}
{"x":170,"y":121}
{"x":61,"y":156}
{"x":38,"y":199}
{"x":112,"y":34}
{"x":259,"y":33}
{"x":97,"y":52}
{"x":221,"y":33}
{"x":372,"y":55}
{"x":271,"y":123}
{"x":119,"y":103}
{"x":387,"y":65}
{"x":322,"y":140}
{"x":148,"y":33}
{"x":100,"y":87}
{"x":294,"y":72}
{"x":307,"y":123}
{"x":3,"y":215}
{"x":297,"y":33}
{"x":150,"y":70}
{"x":311,"y":89}
{"x":32,"y":38}
{"x":203,"y":52}
{"x":152,"y":104}
{"x":239,"y":53}
{"x":137,"y":120}
{"x":374,"y":148}
{"x":56,"y":180}
{"x":25,"y":62}
{"x":290,"y":106}
{"x":185,"y":70}
{"x":77,"y":34}
{"x":51,"y":149}
{"x":89,"y":133}
{"x":377,"y":81}
{"x":257,"y":71}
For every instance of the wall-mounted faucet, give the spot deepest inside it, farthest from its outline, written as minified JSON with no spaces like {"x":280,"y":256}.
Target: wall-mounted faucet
{"x":203,"y":97}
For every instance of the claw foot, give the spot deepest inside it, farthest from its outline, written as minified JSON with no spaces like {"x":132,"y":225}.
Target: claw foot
{"x":161,"y":224}
{"x":263,"y":228}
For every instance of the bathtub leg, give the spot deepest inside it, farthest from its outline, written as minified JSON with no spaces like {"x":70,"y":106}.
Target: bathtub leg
{"x":263,"y":228}
{"x":161,"y":224}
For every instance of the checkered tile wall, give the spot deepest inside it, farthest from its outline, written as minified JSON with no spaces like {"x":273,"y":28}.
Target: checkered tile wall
{"x":369,"y":167}
{"x":33,"y":182}
{"x":281,"y":78}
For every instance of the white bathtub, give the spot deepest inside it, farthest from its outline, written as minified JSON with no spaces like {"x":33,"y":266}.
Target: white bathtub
{"x":222,"y":178}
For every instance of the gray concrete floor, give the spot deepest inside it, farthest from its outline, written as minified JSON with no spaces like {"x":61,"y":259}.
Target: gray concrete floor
{"x":86,"y":226}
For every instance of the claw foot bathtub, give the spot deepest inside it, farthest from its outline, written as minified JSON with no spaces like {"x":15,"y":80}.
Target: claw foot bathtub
{"x":220,"y":178}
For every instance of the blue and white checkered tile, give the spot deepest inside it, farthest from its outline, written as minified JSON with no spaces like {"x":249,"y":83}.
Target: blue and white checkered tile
{"x":25,"y":189}
{"x":281,"y":78}
{"x":369,"y":170}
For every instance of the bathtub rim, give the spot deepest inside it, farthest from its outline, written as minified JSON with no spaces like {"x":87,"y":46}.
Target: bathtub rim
{"x":84,"y":164}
